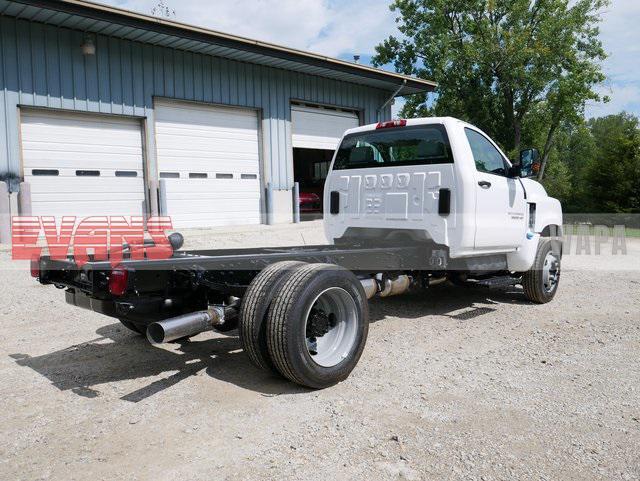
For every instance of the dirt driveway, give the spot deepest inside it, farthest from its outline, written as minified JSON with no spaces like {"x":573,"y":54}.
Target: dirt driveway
{"x":454,"y":384}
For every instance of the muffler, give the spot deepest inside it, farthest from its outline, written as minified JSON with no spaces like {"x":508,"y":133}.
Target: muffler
{"x":395,"y":287}
{"x":370,"y":286}
{"x":188,"y":325}
{"x":383,"y":286}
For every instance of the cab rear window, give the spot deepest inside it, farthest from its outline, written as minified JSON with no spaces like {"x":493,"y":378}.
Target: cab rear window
{"x":415,"y":145}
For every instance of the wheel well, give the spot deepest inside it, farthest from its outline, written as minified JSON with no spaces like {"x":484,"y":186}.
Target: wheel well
{"x":552,"y":230}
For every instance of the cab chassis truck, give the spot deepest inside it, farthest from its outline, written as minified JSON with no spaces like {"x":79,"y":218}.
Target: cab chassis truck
{"x":408,"y":204}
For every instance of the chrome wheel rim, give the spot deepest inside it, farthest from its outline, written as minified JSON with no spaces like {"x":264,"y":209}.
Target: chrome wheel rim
{"x":550,"y":272}
{"x":331,"y":327}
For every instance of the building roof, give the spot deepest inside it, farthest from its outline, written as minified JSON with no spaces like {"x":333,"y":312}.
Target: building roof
{"x":117,"y":22}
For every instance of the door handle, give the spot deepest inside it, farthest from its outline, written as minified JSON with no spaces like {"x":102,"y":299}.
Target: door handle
{"x":484,"y":184}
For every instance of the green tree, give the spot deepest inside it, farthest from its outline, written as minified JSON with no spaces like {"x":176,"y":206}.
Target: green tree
{"x":516,"y":68}
{"x":611,"y":177}
{"x":558,"y":181}
{"x":575,"y":149}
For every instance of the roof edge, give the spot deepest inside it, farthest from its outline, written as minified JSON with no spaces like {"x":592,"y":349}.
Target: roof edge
{"x":171,"y":27}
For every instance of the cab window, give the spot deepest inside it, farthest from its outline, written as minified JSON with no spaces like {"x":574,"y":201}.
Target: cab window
{"x":487,"y":158}
{"x":394,"y":147}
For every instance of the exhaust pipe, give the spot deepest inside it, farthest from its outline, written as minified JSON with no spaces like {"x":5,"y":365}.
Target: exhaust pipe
{"x":386,"y":287}
{"x":190,"y":324}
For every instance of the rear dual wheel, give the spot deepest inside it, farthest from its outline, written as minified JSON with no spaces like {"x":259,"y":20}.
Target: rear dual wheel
{"x":254,"y":310}
{"x":316,"y":325}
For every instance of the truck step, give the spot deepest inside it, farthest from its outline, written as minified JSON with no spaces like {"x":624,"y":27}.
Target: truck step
{"x":501,"y":281}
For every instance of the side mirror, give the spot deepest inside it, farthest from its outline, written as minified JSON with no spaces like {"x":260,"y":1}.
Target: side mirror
{"x":529,"y":164}
{"x":515,"y":170}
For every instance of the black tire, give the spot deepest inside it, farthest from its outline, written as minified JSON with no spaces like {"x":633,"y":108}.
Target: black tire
{"x":137,"y":328}
{"x":287,"y":324}
{"x":537,"y":286}
{"x":254,"y":309}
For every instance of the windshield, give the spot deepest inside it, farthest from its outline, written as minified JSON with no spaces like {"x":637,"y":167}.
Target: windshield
{"x":416,"y":145}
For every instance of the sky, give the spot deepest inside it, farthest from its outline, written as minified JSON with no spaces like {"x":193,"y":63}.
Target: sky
{"x":346,"y":28}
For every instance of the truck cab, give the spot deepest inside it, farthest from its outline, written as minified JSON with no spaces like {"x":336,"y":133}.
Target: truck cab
{"x":443,"y":181}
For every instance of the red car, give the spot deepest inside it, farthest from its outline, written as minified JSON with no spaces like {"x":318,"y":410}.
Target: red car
{"x":310,"y":203}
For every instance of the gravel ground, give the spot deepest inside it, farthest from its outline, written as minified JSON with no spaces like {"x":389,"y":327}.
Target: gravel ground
{"x":455,"y":383}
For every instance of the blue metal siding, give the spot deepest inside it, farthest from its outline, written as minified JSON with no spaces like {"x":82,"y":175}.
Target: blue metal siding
{"x":42,"y":65}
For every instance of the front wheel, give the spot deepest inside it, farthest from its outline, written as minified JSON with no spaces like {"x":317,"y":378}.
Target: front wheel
{"x":540,"y":283}
{"x":317,"y":325}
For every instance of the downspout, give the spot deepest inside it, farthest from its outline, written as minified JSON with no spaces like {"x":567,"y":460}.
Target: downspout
{"x":390,"y":99}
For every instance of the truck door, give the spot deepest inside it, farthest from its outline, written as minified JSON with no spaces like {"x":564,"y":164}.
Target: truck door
{"x":500,"y":202}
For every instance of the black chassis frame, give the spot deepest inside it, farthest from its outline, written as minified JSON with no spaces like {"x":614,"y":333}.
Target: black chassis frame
{"x":189,"y":281}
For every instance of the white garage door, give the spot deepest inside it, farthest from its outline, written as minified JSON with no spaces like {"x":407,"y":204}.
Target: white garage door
{"x":208,"y":158}
{"x":82,"y":165}
{"x":317,"y":128}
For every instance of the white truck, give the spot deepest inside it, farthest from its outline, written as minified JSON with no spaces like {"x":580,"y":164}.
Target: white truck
{"x":408,"y":204}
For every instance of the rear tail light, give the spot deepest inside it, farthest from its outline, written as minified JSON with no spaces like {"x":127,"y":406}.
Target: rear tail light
{"x":118,"y":281}
{"x":35,"y":267}
{"x":391,"y":124}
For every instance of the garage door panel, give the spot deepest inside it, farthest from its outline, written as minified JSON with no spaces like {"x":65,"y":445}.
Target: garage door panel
{"x":219,"y":145}
{"x":318,"y":128}
{"x":66,"y":144}
{"x":230,"y":132}
{"x":81,"y":161}
{"x":80,"y":135}
{"x":69,"y":208}
{"x":128,"y":174}
{"x":202,"y":139}
{"x":207,"y":139}
{"x":201,"y":164}
{"x":76,"y":132}
{"x":217,"y":151}
{"x":213,"y":146}
{"x":41,"y":135}
{"x":95,"y":188}
{"x":212,"y":155}
{"x":217,"y":209}
{"x":230,"y":165}
{"x":204,"y":116}
{"x":216,"y":220}
{"x":205,"y":192}
{"x":239,"y":206}
{"x":108,"y":206}
{"x":58,"y":117}
{"x":106,"y":201}
{"x":54,"y":147}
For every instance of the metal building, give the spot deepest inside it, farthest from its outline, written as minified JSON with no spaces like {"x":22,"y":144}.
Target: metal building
{"x":108,"y":112}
